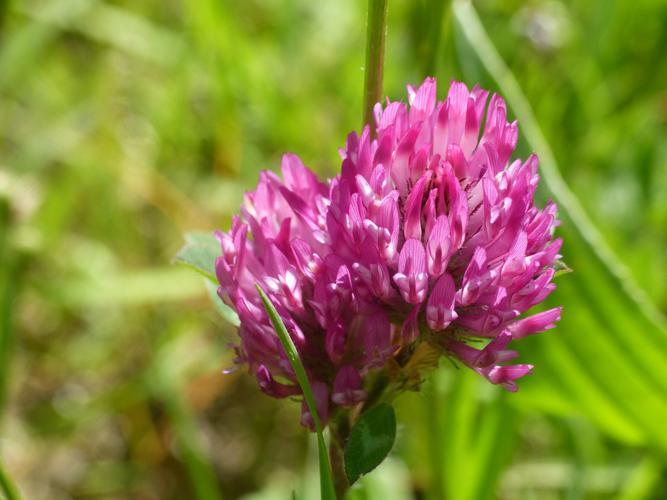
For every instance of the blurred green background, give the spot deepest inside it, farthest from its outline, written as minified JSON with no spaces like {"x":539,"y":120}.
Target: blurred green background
{"x":125,"y":123}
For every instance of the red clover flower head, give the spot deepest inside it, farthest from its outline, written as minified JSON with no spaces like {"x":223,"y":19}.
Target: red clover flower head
{"x":428,"y":235}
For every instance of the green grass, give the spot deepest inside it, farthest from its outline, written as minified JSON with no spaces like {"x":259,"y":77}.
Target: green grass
{"x":125,"y":123}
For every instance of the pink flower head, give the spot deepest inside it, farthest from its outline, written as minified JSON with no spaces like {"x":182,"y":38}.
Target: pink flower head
{"x":440,"y":227}
{"x":429,"y":233}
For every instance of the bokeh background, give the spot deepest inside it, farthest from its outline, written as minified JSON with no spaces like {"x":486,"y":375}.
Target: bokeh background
{"x":125,"y":123}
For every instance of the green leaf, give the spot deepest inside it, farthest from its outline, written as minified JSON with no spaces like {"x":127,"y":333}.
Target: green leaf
{"x":326,"y":480}
{"x":370,"y":441}
{"x":199,"y":253}
{"x":225,"y":311}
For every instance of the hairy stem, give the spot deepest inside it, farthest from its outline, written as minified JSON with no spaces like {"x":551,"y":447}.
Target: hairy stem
{"x":376,"y":28}
{"x":339,"y":432}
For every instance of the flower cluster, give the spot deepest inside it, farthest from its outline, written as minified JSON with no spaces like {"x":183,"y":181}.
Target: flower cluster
{"x":429,"y":234}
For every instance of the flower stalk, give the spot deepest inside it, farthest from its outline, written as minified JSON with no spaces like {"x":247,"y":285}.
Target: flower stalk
{"x":376,"y":29}
{"x":339,"y":431}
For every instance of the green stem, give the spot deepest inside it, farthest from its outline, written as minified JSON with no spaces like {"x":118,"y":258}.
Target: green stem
{"x":376,"y":28}
{"x":339,"y":432}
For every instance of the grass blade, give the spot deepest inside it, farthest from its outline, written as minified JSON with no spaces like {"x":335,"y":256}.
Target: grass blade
{"x":326,"y":480}
{"x":643,"y":480}
{"x":200,"y":469}
{"x":8,"y":489}
{"x":621,"y":324}
{"x":438,"y":13}
{"x":472,"y":28}
{"x":470,"y":436}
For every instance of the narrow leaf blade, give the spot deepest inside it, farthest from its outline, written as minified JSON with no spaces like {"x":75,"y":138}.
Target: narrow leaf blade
{"x":326,"y":480}
{"x":7,"y":486}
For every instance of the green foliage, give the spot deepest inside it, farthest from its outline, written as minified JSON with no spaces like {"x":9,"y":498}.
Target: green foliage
{"x":8,"y":489}
{"x":638,"y":362}
{"x":371,"y":440}
{"x":125,"y":123}
{"x":199,"y":253}
{"x":463,"y":422}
